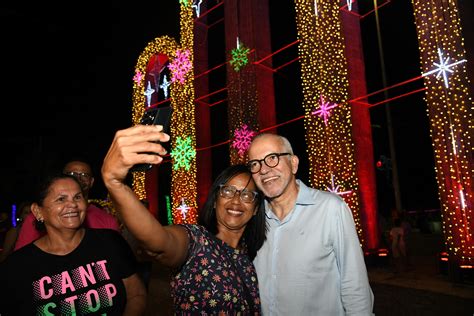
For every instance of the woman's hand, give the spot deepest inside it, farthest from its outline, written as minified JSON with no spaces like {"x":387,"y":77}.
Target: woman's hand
{"x":129,"y":147}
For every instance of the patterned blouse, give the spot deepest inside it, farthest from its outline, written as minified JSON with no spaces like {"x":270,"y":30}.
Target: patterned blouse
{"x":209,"y":283}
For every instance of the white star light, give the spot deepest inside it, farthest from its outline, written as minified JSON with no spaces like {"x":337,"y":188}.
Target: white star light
{"x":183,"y":208}
{"x":164,"y":86}
{"x":335,"y":189}
{"x":316,"y":7}
{"x":443,"y":67}
{"x":148,"y":92}
{"x":463,"y":200}
{"x":349,"y":5}
{"x":197,"y":7}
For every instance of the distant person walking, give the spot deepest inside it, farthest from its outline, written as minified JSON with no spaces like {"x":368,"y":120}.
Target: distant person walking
{"x":399,"y":252}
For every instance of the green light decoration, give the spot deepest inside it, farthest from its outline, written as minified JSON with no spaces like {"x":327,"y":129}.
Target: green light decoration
{"x":185,"y":2}
{"x":168,"y":209}
{"x":239,"y":56}
{"x":183,"y":153}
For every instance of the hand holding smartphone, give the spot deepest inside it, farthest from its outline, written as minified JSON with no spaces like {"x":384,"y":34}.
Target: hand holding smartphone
{"x":154,"y":116}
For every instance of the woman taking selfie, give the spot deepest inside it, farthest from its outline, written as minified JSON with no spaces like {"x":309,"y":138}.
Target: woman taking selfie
{"x":213,"y":260}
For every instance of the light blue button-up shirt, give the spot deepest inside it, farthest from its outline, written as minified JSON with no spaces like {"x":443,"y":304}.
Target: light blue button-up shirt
{"x":312,"y":262}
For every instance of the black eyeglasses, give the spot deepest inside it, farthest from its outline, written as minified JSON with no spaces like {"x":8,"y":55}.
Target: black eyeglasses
{"x":271,"y":160}
{"x":229,"y":191}
{"x":79,"y":175}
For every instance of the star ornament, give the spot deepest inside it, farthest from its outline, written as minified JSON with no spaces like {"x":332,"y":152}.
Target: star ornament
{"x":180,"y":66}
{"x":183,"y":208}
{"x":148,"y":92}
{"x":197,"y":7}
{"x":138,"y":77}
{"x":443,"y":67}
{"x":243,"y":138}
{"x":324,"y":109}
{"x":164,"y":86}
{"x":349,"y":5}
{"x":335,"y":189}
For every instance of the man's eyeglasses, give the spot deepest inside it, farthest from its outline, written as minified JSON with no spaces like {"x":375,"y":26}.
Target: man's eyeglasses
{"x":79,"y":175}
{"x":271,"y":160}
{"x":229,"y":191}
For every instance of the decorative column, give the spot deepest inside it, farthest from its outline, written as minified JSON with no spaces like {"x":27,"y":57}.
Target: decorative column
{"x":201,"y":87}
{"x":325,"y":85}
{"x":361,"y":128}
{"x":250,"y":90}
{"x":450,"y":110}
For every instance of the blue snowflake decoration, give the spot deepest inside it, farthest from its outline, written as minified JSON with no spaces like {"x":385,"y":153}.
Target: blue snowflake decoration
{"x":243,"y":138}
{"x":183,"y":153}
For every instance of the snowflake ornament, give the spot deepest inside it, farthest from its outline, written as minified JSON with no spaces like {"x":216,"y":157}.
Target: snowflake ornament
{"x":180,"y":66}
{"x":324,"y":110}
{"x":138,"y":77}
{"x":243,"y":138}
{"x":239,"y":56}
{"x":183,"y":153}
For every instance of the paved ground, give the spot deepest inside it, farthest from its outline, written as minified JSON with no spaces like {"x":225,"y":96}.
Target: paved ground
{"x":421,"y":290}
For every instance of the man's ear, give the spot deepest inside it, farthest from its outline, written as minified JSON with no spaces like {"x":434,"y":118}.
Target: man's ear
{"x":92,"y":182}
{"x":294,"y":163}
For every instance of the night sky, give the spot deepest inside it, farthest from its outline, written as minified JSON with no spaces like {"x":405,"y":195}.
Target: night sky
{"x":67,"y":87}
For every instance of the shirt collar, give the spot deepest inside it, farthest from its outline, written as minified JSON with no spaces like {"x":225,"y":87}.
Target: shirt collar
{"x":304,"y":194}
{"x":304,"y":198}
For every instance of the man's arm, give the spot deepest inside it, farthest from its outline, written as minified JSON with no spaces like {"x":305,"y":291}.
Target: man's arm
{"x":356,"y":294}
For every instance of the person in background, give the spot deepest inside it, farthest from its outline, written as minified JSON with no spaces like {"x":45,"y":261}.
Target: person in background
{"x":12,"y":234}
{"x":214,"y":271}
{"x":95,"y":217}
{"x":312,"y":261}
{"x":397,"y":237}
{"x":70,"y":270}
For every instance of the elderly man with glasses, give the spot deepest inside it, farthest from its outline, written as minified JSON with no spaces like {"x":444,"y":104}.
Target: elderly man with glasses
{"x":311,"y":262}
{"x":95,"y":217}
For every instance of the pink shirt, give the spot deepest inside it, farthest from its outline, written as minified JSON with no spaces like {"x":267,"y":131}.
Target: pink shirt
{"x":95,"y":218}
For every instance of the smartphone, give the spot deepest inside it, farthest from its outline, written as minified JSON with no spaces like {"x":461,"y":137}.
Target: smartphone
{"x":154,"y":116}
